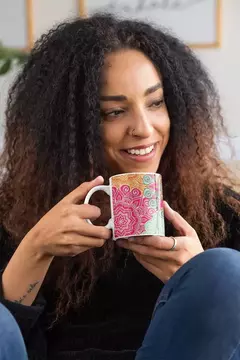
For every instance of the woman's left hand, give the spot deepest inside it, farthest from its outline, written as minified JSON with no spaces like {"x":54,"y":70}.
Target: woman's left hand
{"x":154,"y":252}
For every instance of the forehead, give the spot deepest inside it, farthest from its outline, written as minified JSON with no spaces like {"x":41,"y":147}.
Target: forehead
{"x":128,"y":70}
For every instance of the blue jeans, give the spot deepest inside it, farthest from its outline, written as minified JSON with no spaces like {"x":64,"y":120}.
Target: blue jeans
{"x":11,"y":342}
{"x":197,"y":315}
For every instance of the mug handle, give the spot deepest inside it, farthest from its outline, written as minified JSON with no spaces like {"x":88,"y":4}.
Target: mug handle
{"x":107,"y":190}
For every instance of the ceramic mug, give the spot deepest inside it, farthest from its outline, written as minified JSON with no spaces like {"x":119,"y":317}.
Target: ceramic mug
{"x":136,"y":204}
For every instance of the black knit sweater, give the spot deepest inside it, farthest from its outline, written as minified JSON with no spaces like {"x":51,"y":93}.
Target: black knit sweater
{"x":112,"y":324}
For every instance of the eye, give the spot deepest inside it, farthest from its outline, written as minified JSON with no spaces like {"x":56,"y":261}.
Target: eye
{"x":112,"y":113}
{"x":157,"y":103}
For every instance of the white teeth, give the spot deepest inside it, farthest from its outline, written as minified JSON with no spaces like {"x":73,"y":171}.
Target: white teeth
{"x":141,"y":151}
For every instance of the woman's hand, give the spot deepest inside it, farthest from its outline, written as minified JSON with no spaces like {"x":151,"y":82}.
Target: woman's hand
{"x":63,"y":231}
{"x":154,"y":252}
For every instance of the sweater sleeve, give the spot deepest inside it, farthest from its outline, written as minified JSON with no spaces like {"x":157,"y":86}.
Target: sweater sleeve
{"x":29,"y":318}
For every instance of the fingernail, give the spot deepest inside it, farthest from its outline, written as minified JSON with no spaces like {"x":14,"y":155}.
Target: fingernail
{"x":99,"y":178}
{"x":131,"y":239}
{"x":119,"y":242}
{"x":168,"y":206}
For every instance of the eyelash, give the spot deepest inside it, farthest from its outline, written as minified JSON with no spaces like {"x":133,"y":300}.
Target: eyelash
{"x":158,"y":103}
{"x":115,"y":113}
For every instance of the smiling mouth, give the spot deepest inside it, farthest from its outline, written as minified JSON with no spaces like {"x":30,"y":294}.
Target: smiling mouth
{"x":140,"y":153}
{"x":141,"y":150}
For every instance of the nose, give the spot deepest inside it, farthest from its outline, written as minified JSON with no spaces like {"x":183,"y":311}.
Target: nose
{"x":141,"y":125}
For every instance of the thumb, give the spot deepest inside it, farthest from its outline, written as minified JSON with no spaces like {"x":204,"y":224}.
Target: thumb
{"x":179,"y":223}
{"x":81,"y":191}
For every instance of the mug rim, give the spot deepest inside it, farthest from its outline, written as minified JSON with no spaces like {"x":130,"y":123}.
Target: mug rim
{"x":136,"y":173}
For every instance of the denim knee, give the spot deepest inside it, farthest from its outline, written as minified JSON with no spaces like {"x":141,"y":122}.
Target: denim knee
{"x":197,"y":315}
{"x":11,"y":341}
{"x":219,"y":266}
{"x":9,"y":330}
{"x":215,"y":272}
{"x":217,"y":262}
{"x":7,"y":322}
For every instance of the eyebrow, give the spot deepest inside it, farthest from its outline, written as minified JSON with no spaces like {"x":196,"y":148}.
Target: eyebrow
{"x":152,"y":89}
{"x":149,"y":91}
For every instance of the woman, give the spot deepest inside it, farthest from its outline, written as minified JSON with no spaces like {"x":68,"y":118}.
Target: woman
{"x":94,"y":94}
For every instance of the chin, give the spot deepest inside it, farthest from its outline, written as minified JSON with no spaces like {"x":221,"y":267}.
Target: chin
{"x":149,"y":162}
{"x":122,"y":165}
{"x":146,"y":168}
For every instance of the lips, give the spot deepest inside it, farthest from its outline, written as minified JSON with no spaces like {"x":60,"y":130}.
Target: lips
{"x":140,"y":153}
{"x":141,"y":150}
{"x":140,"y":146}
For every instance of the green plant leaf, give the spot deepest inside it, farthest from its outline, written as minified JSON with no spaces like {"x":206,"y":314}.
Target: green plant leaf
{"x":22,"y":58}
{"x":6,"y":66}
{"x":10,"y":56}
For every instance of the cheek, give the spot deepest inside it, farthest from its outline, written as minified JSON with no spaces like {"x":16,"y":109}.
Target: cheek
{"x":166,"y":127}
{"x":112,"y":135}
{"x":162,"y":124}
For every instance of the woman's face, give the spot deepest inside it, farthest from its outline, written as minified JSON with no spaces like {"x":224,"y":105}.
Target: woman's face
{"x":135,"y":121}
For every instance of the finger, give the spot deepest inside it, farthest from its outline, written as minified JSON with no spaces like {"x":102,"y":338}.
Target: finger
{"x":155,"y":270}
{"x":81,"y":191}
{"x":71,"y":239}
{"x":75,"y":250}
{"x":159,"y":242}
{"x":178,"y":221}
{"x":162,"y":269}
{"x":87,"y":211}
{"x":162,"y":264}
{"x":90,"y":241}
{"x":147,"y":250}
{"x":82,"y":228}
{"x":71,"y":250}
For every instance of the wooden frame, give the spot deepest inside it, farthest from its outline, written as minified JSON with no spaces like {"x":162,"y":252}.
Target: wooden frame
{"x":29,"y":11}
{"x":82,"y":8}
{"x":30,"y":23}
{"x":218,"y":24}
{"x":218,"y":20}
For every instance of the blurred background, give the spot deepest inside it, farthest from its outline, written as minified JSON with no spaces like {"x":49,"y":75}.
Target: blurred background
{"x":210,"y":27}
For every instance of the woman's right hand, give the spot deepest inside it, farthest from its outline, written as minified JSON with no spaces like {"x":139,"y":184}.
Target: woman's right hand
{"x":63,"y":231}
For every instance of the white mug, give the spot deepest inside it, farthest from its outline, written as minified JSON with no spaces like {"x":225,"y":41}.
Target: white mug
{"x":136,"y":204}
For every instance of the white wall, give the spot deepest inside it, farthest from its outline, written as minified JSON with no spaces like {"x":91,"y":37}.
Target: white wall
{"x":5,"y":82}
{"x":223,"y":63}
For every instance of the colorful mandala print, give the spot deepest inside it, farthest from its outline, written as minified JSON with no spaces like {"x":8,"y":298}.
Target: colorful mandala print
{"x":137,"y":209}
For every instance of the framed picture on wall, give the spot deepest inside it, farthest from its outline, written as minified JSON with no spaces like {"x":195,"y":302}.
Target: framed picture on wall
{"x":49,"y":13}
{"x":16,"y":23}
{"x":196,"y":22}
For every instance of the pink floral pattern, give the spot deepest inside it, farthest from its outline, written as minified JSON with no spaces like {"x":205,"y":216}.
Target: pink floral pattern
{"x":132,"y":210}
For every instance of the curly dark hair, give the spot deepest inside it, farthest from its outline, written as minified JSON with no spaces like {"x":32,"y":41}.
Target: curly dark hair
{"x":53,"y":139}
